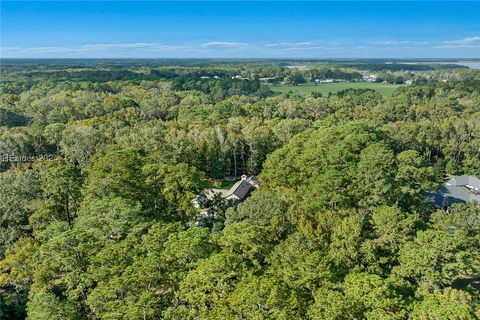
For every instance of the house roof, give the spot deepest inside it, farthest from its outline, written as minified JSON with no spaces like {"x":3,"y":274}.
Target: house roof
{"x":241,"y":189}
{"x":458,"y":189}
{"x":237,"y":192}
{"x":465,"y":180}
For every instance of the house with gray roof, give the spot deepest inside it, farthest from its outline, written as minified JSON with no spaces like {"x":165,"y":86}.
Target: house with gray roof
{"x":235,"y":195}
{"x":458,"y":189}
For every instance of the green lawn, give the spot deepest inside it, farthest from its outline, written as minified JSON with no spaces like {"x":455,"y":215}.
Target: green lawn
{"x":325,"y":88}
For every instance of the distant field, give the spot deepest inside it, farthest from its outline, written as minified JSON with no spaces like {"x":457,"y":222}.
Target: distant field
{"x":325,"y":88}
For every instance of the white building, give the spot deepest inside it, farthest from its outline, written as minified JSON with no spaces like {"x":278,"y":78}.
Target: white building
{"x":318,"y":81}
{"x":370,"y":78}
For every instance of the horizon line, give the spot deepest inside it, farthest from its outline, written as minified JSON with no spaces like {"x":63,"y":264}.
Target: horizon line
{"x":239,"y":58}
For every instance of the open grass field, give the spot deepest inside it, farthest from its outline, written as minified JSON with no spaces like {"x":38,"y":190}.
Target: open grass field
{"x":325,"y":88}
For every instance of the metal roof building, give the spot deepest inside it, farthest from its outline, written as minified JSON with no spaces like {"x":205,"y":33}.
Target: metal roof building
{"x":458,"y":189}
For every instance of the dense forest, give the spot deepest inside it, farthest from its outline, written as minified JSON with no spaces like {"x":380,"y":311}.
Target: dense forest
{"x":100,"y":163}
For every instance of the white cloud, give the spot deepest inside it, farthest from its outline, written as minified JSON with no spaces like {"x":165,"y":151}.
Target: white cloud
{"x":457,"y":46}
{"x":306,"y":43}
{"x":223,"y":44}
{"x":136,"y":45}
{"x":311,"y":48}
{"x":93,"y":48}
{"x":466,"y":41}
{"x":39,"y":50}
{"x":286,"y":45}
{"x":241,"y":49}
{"x":469,"y":42}
{"x":402,"y":42}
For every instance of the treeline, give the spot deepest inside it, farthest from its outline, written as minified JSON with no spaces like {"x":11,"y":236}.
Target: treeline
{"x":340,"y":228}
{"x":222,"y":87}
{"x":32,"y":71}
{"x":375,"y":67}
{"x":299,"y":76}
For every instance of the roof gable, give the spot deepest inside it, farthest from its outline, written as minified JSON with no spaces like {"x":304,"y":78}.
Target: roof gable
{"x":241,"y":189}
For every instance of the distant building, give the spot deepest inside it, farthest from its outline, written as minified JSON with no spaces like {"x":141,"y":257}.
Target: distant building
{"x":318,"y":81}
{"x":370,"y":78}
{"x":237,"y":77}
{"x":408,"y":81}
{"x":204,"y":77}
{"x":234,"y":196}
{"x":216,"y":77}
{"x":458,"y":189}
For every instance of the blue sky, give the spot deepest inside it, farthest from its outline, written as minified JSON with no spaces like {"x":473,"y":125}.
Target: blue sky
{"x":341,"y":29}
